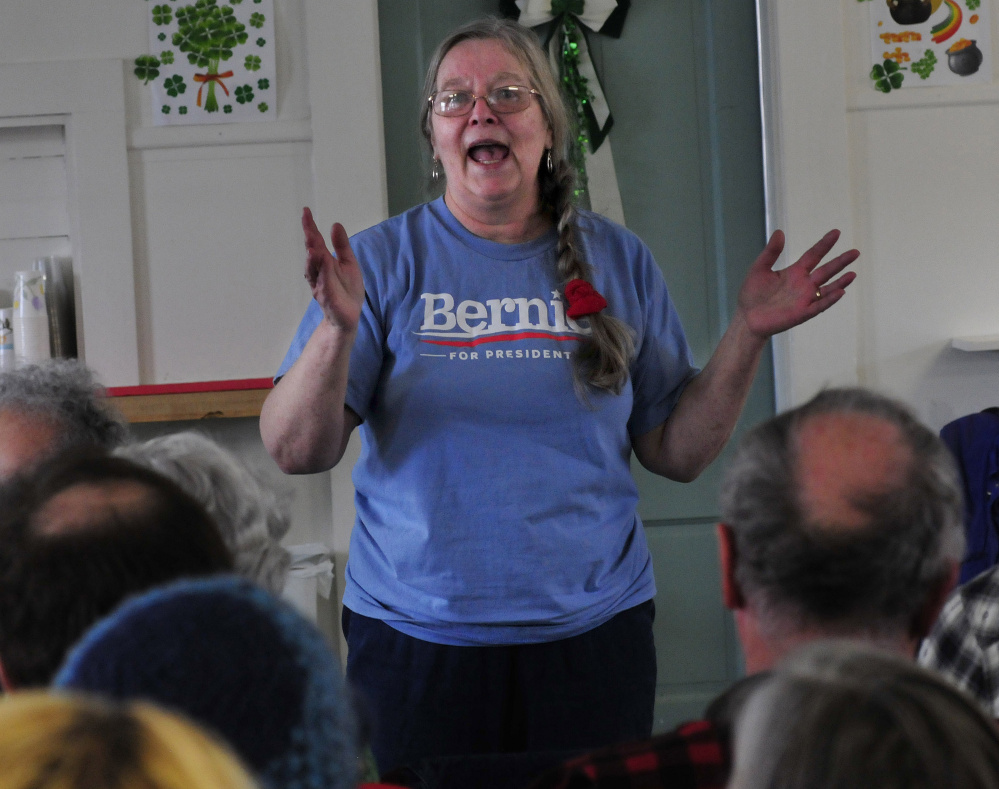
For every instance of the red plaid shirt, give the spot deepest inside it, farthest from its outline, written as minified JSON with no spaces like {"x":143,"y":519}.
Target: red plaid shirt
{"x":695,"y":755}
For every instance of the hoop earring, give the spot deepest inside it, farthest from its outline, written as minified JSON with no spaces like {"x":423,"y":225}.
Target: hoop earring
{"x":435,"y":173}
{"x":550,"y":165}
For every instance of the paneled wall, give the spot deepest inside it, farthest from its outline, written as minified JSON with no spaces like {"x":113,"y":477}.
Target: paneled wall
{"x":192,"y":266}
{"x":213,"y":211}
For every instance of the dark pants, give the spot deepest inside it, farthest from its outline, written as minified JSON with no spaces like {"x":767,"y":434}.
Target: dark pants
{"x":427,"y":699}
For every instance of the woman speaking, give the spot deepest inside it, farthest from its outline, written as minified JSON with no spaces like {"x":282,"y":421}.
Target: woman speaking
{"x":503,"y":354}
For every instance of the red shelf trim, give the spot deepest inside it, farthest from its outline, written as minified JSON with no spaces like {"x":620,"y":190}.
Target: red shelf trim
{"x":194,"y":386}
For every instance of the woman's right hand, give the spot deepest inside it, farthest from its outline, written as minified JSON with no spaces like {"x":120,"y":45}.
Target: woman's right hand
{"x":336,"y":281}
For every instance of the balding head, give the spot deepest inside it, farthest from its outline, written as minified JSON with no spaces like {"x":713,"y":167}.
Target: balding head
{"x":87,"y":504}
{"x":843,"y":459}
{"x":843,"y":517}
{"x":77,"y":537}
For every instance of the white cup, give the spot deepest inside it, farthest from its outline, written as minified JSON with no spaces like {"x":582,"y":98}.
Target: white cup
{"x":7,"y":339}
{"x":31,"y":338}
{"x":29,"y":293}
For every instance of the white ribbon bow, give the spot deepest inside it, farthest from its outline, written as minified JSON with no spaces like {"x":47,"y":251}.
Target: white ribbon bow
{"x":605,"y":197}
{"x":595,"y":13}
{"x":539,"y":12}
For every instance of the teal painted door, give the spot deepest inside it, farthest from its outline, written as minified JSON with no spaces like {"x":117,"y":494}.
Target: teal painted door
{"x":682,"y":84}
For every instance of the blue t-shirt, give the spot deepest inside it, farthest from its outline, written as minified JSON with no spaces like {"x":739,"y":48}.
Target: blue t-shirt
{"x":494,"y":506}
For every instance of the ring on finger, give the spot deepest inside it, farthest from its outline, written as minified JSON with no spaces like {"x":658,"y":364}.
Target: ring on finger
{"x":818,"y":294}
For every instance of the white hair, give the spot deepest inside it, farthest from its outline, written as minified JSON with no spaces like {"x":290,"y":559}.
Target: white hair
{"x":250,"y":516}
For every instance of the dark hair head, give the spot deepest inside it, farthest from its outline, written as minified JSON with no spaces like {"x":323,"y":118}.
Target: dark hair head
{"x":60,"y":572}
{"x":798,"y":568}
{"x":63,"y":391}
{"x":838,"y":715}
{"x":604,"y":357}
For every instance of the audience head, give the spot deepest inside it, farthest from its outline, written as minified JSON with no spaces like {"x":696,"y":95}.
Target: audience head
{"x":842,"y":517}
{"x":838,"y":715}
{"x":47,"y":407}
{"x":65,"y":742}
{"x":250,"y":517}
{"x":78,"y":536}
{"x":238,"y":661}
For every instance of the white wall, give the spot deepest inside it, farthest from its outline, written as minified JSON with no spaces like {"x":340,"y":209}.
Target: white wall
{"x":215,"y":209}
{"x":213,"y":212}
{"x":911,"y":178}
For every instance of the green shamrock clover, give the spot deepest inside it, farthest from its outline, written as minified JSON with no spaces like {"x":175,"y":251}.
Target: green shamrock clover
{"x":174,"y":85}
{"x":162,"y":15}
{"x":263,"y":84}
{"x":887,"y":76}
{"x":257,"y":20}
{"x":252,"y":63}
{"x":166,"y":57}
{"x":925,"y":65}
{"x":244,"y":94}
{"x":262,"y":106}
{"x":147,"y":68}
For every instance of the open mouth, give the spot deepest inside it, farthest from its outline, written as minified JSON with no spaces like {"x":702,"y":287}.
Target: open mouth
{"x":488,"y":152}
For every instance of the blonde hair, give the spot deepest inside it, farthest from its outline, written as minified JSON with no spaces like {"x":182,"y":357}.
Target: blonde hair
{"x":603,"y":359}
{"x":62,"y":741}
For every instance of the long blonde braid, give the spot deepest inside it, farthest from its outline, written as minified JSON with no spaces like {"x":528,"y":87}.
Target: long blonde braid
{"x":603,"y":359}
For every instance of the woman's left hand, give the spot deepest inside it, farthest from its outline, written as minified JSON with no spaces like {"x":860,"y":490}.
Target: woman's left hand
{"x":769,"y":302}
{"x":774,"y":301}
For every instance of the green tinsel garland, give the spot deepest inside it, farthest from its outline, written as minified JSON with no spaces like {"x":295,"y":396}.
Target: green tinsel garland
{"x":578,"y":92}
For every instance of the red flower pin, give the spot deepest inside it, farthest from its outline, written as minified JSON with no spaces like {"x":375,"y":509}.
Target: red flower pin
{"x":583,"y":299}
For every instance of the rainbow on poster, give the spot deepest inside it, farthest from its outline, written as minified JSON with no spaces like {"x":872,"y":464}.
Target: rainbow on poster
{"x":949,"y":26}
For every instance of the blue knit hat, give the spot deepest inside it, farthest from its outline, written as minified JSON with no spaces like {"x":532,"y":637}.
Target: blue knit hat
{"x":237,"y":660}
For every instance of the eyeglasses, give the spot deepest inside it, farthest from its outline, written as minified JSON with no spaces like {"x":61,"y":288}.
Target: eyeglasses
{"x":504,"y":100}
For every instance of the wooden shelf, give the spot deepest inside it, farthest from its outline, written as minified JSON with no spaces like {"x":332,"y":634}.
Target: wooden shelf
{"x":191,"y":401}
{"x":985,"y":342}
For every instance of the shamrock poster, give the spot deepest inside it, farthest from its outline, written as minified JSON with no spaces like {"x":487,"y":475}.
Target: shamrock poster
{"x":930,"y":42}
{"x":210,"y":61}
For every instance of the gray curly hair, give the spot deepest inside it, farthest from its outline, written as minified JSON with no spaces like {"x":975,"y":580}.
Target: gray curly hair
{"x":64,"y":392}
{"x":251,"y":517}
{"x":875,"y":578}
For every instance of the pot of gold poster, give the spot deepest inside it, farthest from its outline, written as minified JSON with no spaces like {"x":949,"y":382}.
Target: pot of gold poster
{"x":920,"y":43}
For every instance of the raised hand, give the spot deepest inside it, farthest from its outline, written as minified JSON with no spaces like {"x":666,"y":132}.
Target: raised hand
{"x":774,"y":301}
{"x":336,"y":281}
